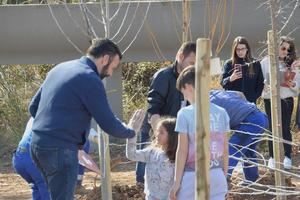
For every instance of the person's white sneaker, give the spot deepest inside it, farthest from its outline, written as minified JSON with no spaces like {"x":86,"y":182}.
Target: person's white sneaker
{"x":287,"y":163}
{"x":271,"y":163}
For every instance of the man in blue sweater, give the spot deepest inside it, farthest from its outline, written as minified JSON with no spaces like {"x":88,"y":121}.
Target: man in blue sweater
{"x":63,"y":106}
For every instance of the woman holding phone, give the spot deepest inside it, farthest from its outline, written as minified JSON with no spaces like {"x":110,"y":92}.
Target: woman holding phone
{"x":241,"y":72}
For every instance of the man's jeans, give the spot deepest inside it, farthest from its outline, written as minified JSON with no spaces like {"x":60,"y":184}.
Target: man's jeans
{"x":59,"y":166}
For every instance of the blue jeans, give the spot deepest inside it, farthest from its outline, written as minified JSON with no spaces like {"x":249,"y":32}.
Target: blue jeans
{"x":24,"y":166}
{"x":240,"y":140}
{"x":140,"y":166}
{"x":59,"y":166}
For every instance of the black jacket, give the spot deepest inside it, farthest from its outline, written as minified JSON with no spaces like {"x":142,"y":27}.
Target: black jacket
{"x":163,"y":97}
{"x":251,"y":86}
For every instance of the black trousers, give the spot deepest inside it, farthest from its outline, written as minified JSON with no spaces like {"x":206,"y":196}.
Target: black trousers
{"x":287,"y":106}
{"x":298,"y":112}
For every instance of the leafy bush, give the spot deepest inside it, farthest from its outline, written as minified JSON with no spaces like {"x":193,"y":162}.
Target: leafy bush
{"x":18,"y":83}
{"x":136,"y":81}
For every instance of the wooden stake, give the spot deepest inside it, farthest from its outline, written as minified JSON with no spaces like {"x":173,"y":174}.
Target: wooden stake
{"x":276,"y":109}
{"x":275,"y":98}
{"x":106,"y":190}
{"x":103,"y":141}
{"x":202,"y":119}
{"x":104,"y":158}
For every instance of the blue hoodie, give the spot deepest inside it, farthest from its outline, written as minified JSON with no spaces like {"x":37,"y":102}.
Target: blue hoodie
{"x":26,"y":138}
{"x":236,"y":107}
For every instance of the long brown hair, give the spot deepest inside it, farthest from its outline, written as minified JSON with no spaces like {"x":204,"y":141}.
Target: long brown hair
{"x":248,"y":58}
{"x":169,"y":124}
{"x":292,"y":50}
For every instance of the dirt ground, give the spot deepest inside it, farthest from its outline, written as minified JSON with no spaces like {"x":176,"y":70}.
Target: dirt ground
{"x":13,"y":187}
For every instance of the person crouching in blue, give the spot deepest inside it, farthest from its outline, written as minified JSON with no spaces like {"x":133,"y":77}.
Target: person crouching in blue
{"x":245,"y":118}
{"x":24,"y":166}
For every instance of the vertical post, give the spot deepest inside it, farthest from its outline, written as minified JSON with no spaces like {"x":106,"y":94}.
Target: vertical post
{"x":106,"y":190}
{"x":202,"y":119}
{"x":103,"y":145}
{"x":276,"y":110}
{"x":275,"y":98}
{"x":103,"y":141}
{"x":185,"y":20}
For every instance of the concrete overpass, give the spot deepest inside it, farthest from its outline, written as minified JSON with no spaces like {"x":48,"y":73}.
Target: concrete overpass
{"x":29,"y":34}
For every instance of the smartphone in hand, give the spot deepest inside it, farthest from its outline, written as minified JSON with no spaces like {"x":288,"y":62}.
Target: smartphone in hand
{"x":238,"y":69}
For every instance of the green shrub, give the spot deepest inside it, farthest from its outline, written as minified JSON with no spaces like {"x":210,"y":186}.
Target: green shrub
{"x":18,"y":83}
{"x":136,"y":79}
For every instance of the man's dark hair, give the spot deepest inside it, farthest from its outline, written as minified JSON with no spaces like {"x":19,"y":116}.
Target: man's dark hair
{"x":102,"y":47}
{"x":187,"y":76}
{"x":187,"y":48}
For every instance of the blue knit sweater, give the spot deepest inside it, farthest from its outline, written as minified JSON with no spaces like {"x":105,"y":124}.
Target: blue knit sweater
{"x":70,"y":96}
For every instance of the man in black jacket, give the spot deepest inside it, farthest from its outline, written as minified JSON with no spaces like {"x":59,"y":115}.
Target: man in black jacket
{"x":163,"y":97}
